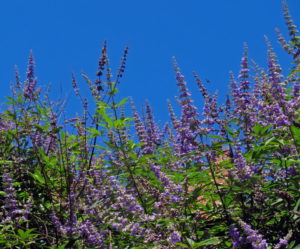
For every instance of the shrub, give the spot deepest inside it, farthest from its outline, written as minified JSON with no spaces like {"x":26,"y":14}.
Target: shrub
{"x":228,"y":177}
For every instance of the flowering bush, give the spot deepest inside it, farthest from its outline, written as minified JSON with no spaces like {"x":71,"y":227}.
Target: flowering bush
{"x":224,"y":178}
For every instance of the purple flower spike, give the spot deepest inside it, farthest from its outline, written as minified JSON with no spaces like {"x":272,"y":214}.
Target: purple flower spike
{"x":169,"y":186}
{"x":275,"y":76}
{"x":151,"y":127}
{"x":188,"y":126}
{"x":13,"y":210}
{"x":253,"y":236}
{"x":30,"y":85}
{"x":243,"y":170}
{"x":10,"y":198}
{"x":147,"y":147}
{"x":237,"y":239}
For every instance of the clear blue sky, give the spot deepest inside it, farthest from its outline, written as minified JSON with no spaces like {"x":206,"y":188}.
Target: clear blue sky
{"x":206,"y":36}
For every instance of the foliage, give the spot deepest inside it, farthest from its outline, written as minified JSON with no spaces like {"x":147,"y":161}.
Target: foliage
{"x":225,"y":178}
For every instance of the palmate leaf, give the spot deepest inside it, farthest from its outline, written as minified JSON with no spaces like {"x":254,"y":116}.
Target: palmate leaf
{"x":27,"y":234}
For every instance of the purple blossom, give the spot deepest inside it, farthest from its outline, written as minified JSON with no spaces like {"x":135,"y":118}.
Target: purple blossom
{"x":240,"y":90}
{"x":203,"y":90}
{"x":244,"y":82}
{"x":243,"y":170}
{"x":91,"y":234}
{"x":282,"y":243}
{"x":169,"y":186}
{"x":188,"y":127}
{"x":237,"y":239}
{"x":174,"y":237}
{"x":151,"y":127}
{"x":13,"y":210}
{"x":10,"y":204}
{"x":5,"y":124}
{"x":148,"y":145}
{"x":253,"y":236}
{"x":210,"y":112}
{"x":174,"y":119}
{"x":189,"y":111}
{"x":30,"y":84}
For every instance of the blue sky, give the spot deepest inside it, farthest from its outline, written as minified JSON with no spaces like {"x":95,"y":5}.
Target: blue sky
{"x":206,"y":36}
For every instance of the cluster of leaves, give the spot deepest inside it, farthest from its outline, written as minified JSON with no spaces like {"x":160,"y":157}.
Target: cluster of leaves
{"x":228,"y":178}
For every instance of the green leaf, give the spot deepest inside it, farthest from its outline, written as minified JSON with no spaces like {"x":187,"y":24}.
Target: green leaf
{"x":182,"y":245}
{"x":261,"y":130}
{"x":5,"y":161}
{"x":211,"y":241}
{"x":281,"y":141}
{"x":295,"y":130}
{"x":200,"y":233}
{"x":296,"y":133}
{"x":11,"y":100}
{"x":269,"y":141}
{"x":296,"y":209}
{"x":257,"y":129}
{"x":290,"y":246}
{"x":217,"y":137}
{"x":280,"y":200}
{"x":38,"y":176}
{"x":94,"y":131}
{"x":122,"y":102}
{"x":22,"y":234}
{"x":228,"y":243}
{"x":191,"y":242}
{"x":231,"y":133}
